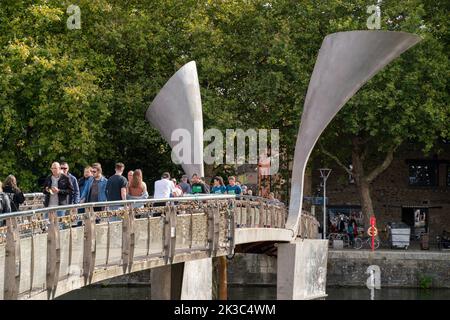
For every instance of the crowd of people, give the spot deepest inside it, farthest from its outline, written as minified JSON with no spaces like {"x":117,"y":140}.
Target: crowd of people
{"x":167,"y":187}
{"x":62,"y":188}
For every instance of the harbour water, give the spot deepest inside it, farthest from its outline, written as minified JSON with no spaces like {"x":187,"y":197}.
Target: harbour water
{"x":262,"y":293}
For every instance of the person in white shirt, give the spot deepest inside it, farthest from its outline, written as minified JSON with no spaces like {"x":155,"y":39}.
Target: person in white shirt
{"x":164,"y":188}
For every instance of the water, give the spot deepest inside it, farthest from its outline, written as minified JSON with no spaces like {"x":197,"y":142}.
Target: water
{"x":261,"y":293}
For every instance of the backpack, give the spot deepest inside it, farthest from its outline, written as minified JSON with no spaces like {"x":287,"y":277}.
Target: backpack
{"x":11,"y":200}
{"x":3,"y":204}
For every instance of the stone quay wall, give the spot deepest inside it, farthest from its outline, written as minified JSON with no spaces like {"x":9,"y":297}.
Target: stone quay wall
{"x":403,"y":269}
{"x":413,"y":269}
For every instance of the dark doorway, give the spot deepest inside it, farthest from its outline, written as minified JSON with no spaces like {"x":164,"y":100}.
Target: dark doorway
{"x":417,"y":219}
{"x":408,"y":216}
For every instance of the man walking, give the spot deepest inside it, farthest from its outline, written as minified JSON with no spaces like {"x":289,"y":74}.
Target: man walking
{"x":184,"y":184}
{"x":164,"y":188}
{"x":82,"y":182}
{"x":95,"y":189}
{"x":116,"y":188}
{"x":57,"y":188}
{"x":197,"y":185}
{"x":74,"y":197}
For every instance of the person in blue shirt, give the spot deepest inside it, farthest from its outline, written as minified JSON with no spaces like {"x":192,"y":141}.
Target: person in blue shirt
{"x":74,"y":197}
{"x":218,"y":186}
{"x":232,"y":187}
{"x":95,"y":189}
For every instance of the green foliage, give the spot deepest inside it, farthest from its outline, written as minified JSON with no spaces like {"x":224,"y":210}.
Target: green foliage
{"x":425,"y":281}
{"x":82,"y":94}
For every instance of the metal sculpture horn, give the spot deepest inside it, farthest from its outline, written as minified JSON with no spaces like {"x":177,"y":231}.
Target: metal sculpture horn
{"x":346,"y":61}
{"x":178,"y":106}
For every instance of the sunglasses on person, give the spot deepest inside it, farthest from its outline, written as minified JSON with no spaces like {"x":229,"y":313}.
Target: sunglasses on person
{"x":65,"y":168}
{"x":94,"y":171}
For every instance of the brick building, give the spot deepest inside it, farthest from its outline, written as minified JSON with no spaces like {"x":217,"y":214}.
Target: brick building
{"x":414,"y":189}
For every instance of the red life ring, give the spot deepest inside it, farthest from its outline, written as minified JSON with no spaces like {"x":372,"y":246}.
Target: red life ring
{"x":372,"y":231}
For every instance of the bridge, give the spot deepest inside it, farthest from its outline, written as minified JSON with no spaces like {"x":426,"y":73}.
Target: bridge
{"x":45,"y":256}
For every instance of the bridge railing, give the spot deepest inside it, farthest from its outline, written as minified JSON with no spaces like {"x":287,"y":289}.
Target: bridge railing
{"x":33,"y":201}
{"x":41,"y":247}
{"x":257,"y":212}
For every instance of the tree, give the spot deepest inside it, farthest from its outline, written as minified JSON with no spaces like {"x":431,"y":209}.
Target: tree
{"x":254,"y":59}
{"x":51,"y":104}
{"x":407,"y":101}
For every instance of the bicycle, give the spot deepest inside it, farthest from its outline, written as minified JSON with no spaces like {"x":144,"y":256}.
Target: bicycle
{"x":338,"y":236}
{"x":360,"y":242}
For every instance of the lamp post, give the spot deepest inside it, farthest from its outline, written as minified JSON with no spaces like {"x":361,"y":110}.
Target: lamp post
{"x":324,"y":174}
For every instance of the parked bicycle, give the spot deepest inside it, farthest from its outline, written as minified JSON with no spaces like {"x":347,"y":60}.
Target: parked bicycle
{"x":338,"y":236}
{"x":360,"y":242}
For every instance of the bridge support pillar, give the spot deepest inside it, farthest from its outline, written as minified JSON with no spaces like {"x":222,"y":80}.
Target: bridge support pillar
{"x":166,"y":282}
{"x":191,"y":280}
{"x":302,"y":269}
{"x":197,"y":280}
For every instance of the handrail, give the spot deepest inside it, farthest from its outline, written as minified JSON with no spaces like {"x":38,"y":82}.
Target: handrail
{"x":113,"y":203}
{"x":199,"y":197}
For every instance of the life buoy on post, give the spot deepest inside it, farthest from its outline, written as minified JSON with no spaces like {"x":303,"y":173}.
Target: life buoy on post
{"x":372,"y":231}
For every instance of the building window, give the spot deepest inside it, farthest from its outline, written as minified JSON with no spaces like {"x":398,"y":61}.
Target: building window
{"x":423,"y":173}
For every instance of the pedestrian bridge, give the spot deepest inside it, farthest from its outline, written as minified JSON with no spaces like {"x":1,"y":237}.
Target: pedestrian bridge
{"x":43,"y":256}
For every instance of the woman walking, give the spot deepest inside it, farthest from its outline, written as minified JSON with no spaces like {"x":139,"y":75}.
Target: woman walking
{"x":137,"y":188}
{"x":16,"y":196}
{"x":218,"y":186}
{"x":5,"y":206}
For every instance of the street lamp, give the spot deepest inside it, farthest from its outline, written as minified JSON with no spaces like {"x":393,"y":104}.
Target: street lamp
{"x":324,"y":174}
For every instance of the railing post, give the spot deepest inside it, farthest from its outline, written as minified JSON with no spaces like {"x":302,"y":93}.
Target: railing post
{"x":210,"y":226}
{"x":238,"y":213}
{"x":169,"y":234}
{"x":72,"y":219}
{"x":53,"y":254}
{"x":89,"y":245}
{"x":191,"y":227}
{"x":32,"y":256}
{"x":165,"y":234}
{"x":12,"y":261}
{"x":216,"y":219}
{"x":247,"y":214}
{"x":262,"y":214}
{"x":231,"y":226}
{"x":173,"y":232}
{"x":127,"y":239}
{"x":272,"y":217}
{"x":148,"y":233}
{"x":108,"y":240}
{"x":132,"y":237}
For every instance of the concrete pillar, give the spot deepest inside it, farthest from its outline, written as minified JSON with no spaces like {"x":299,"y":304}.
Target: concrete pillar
{"x":166,"y":282}
{"x":197,"y":280}
{"x":302,"y":269}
